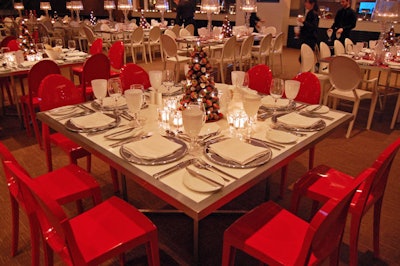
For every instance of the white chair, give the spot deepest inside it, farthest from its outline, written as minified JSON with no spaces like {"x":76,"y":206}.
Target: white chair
{"x":245,"y":52}
{"x":170,"y":33}
{"x":227,"y":56}
{"x":170,"y":49}
{"x":348,"y":45}
{"x":261,"y":52}
{"x":137,"y":42}
{"x":307,"y":59}
{"x":323,"y":70}
{"x":269,"y":30}
{"x":338,"y":48}
{"x":190,"y":28}
{"x":154,"y":41}
{"x":345,"y":77}
{"x":176,"y":28}
{"x":277,"y":50}
{"x":91,"y":37}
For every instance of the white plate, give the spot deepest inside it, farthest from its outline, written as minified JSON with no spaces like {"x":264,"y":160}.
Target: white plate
{"x":197,"y":184}
{"x":126,"y":134}
{"x":323,"y":110}
{"x":281,"y":136}
{"x":64,"y":110}
{"x":269,"y":102}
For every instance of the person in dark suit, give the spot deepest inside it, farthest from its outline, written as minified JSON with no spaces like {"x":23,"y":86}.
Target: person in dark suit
{"x":255,"y":22}
{"x":309,"y":24}
{"x":345,"y":21}
{"x":185,"y":10}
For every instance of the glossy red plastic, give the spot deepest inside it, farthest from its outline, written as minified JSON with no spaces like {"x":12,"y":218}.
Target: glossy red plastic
{"x":67,"y":184}
{"x":276,"y":236}
{"x":323,"y":183}
{"x":96,"y":48}
{"x":95,"y":67}
{"x":310,"y":88}
{"x":260,"y":77}
{"x":116,"y":56}
{"x":134,"y":74}
{"x":13,"y":45}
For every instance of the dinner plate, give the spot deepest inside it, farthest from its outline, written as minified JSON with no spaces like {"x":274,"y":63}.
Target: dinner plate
{"x":175,"y":90}
{"x":199,"y":185}
{"x":63,"y":110}
{"x":126,"y":132}
{"x":323,"y":110}
{"x":229,"y":163}
{"x":70,"y":126}
{"x":268,"y":103}
{"x":178,"y":154}
{"x":96,"y":105}
{"x":315,"y":127}
{"x":281,"y":136}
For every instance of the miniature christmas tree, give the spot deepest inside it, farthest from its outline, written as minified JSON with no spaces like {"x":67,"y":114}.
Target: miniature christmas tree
{"x":226,"y":28}
{"x":143,"y":21}
{"x":25,"y":40}
{"x":200,"y":86}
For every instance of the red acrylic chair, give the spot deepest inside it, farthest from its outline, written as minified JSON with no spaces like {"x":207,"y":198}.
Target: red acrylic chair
{"x":56,"y":91}
{"x":93,"y":237}
{"x":116,"y":56}
{"x":66,"y":184}
{"x":95,"y":67}
{"x":96,"y":48}
{"x":31,"y":101}
{"x":134,"y":74}
{"x":323,"y":183}
{"x":275,"y":236}
{"x":260,"y":77}
{"x":6,"y":40}
{"x":13,"y":45}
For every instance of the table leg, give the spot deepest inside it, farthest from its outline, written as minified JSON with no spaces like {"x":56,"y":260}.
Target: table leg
{"x":196,"y":241}
{"x":123,"y":185}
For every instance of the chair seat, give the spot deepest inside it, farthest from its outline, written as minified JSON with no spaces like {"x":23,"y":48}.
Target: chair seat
{"x":349,"y":95}
{"x":275,"y":227}
{"x":178,"y":58}
{"x":126,"y":228}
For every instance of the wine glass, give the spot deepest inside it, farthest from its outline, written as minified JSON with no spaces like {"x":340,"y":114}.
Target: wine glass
{"x":292,"y":88}
{"x":58,"y":42}
{"x":251,"y":103}
{"x":246,"y":81}
{"x":71,"y":45}
{"x":155,"y":77}
{"x":168,"y":79}
{"x":237,"y":78}
{"x":100,"y":90}
{"x":134,"y":100}
{"x":329,"y":32}
{"x":115,"y":91}
{"x":193,"y":118}
{"x":277,"y":89}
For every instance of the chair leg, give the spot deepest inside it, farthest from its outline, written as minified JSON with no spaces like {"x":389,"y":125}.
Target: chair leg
{"x":283,"y":181}
{"x":15,"y":225}
{"x":351,"y":124}
{"x":153,"y":256}
{"x":114,"y":177}
{"x":311,"y":158}
{"x":372,"y":111}
{"x":25,"y":113}
{"x":35,"y":126}
{"x":34,"y":232}
{"x":89,"y":163}
{"x":228,"y":254}
{"x":377,"y":223}
{"x":354,"y":235}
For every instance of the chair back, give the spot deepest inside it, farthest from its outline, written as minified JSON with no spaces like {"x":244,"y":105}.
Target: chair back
{"x":91,"y":37}
{"x":116,"y":54}
{"x":270,"y":30}
{"x":348,"y":45}
{"x":260,"y":77}
{"x":56,"y":90}
{"x":324,"y":52}
{"x":307,"y":58}
{"x":137,"y":36}
{"x":184,"y":32}
{"x":310,"y":88}
{"x":228,"y":50}
{"x":176,"y":28}
{"x":154,"y":34}
{"x":372,"y":189}
{"x":170,"y":33}
{"x":265,"y":45}
{"x":134,"y":74}
{"x":344,"y":73}
{"x":278,"y":44}
{"x":95,"y":67}
{"x":6,"y":40}
{"x":13,"y":45}
{"x":245,"y":49}
{"x":324,"y":235}
{"x":338,"y":47}
{"x":97,"y":47}
{"x":169,"y":45}
{"x":190,"y":28}
{"x":38,"y":72}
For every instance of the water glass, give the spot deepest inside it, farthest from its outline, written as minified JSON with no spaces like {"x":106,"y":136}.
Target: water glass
{"x":71,"y":45}
{"x":193,"y":118}
{"x":155,"y":77}
{"x":237,"y":78}
{"x":292,"y":88}
{"x":277,"y":89}
{"x":134,"y":100}
{"x":115,"y":91}
{"x":251,"y":103}
{"x":168,"y":79}
{"x":99,"y":87}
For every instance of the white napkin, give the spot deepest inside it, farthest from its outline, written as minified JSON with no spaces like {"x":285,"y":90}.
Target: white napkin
{"x":76,"y":53}
{"x":208,"y":129}
{"x":152,"y":148}
{"x":269,"y":102}
{"x":110,"y":102}
{"x":238,"y":151}
{"x":73,"y":58}
{"x":28,"y":63}
{"x":365,"y":62}
{"x":296,"y":120}
{"x":92,"y":121}
{"x":173,"y":89}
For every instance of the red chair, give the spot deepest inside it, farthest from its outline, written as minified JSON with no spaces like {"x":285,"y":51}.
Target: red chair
{"x":323,"y":183}
{"x":275,"y":236}
{"x":96,"y":48}
{"x":56,"y":91}
{"x":116,"y":56}
{"x":134,"y":74}
{"x":13,"y":45}
{"x":66,"y":184}
{"x":260,"y":77}
{"x":6,"y":40}
{"x":310,"y":88}
{"x":93,"y":237}
{"x":95,"y":67}
{"x":31,"y":101}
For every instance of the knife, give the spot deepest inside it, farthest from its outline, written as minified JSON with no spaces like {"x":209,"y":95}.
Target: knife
{"x":203,"y":177}
{"x":172,"y":169}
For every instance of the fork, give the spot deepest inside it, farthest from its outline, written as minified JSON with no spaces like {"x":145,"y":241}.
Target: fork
{"x":199,"y":163}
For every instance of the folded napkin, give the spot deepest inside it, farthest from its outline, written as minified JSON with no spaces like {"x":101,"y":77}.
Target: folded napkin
{"x":269,"y":102}
{"x":75,"y":53}
{"x":208,"y":129}
{"x":172,"y":90}
{"x":365,"y":62}
{"x":73,"y":58}
{"x":94,"y":120}
{"x":299,"y":121}
{"x":152,"y":148}
{"x":28,"y":63}
{"x":110,"y":102}
{"x":238,"y":151}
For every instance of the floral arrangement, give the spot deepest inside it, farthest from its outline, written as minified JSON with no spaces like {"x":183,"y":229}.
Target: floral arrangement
{"x":200,"y":86}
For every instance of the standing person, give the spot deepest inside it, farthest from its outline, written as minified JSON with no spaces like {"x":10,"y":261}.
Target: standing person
{"x":185,"y":10}
{"x":309,"y":28}
{"x":256,"y":22}
{"x":345,"y":21}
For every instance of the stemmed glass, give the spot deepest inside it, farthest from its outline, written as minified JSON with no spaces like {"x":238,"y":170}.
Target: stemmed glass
{"x":246,"y":81}
{"x":193,"y":118}
{"x":329,"y":32}
{"x":168,"y":79}
{"x":251,"y":103}
{"x":134,"y":100}
{"x":292,"y":88}
{"x":71,"y":45}
{"x":238,"y":78}
{"x":277,"y":89}
{"x":115,"y":91}
{"x":155,"y":77}
{"x":100,"y":90}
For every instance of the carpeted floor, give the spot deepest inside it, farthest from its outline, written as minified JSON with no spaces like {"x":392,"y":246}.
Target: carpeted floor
{"x":175,"y":230}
